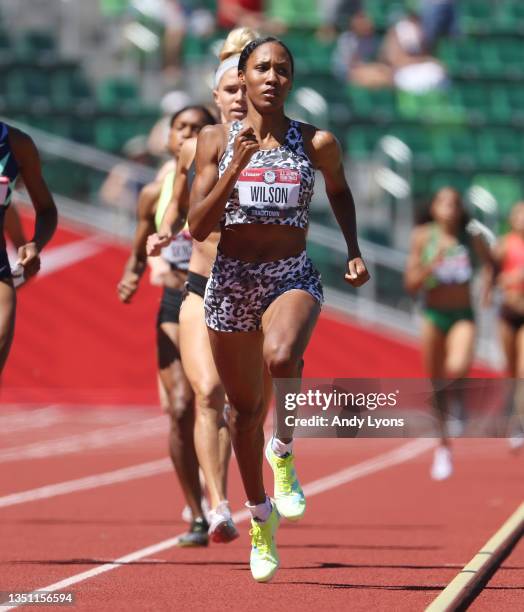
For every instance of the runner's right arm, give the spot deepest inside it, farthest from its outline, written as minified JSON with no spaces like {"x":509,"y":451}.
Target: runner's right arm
{"x":137,"y":262}
{"x":417,"y":272}
{"x":176,"y":212}
{"x":210,"y":193}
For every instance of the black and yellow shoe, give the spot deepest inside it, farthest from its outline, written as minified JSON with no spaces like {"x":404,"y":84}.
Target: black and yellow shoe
{"x":197,"y":534}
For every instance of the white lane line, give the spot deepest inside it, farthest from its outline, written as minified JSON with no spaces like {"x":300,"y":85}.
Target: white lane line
{"x":30,"y":419}
{"x":396,"y":456}
{"x":471,"y":580}
{"x":76,"y":443}
{"x":142,"y":470}
{"x":66,"y":255}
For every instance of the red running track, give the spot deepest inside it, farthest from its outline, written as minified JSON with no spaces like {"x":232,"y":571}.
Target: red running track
{"x":389,"y":540}
{"x":76,"y":343}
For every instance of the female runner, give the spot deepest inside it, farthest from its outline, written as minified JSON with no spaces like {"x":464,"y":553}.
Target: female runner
{"x":152,"y":203}
{"x":20,"y":158}
{"x":212,"y":439}
{"x":509,"y":255}
{"x":263,"y":297}
{"x":440,"y":264}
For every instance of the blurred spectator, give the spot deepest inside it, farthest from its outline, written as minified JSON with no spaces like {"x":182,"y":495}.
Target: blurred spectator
{"x":355,"y":57}
{"x":171,"y":103}
{"x":233,"y":13}
{"x":121,"y":188}
{"x":175,"y":30}
{"x":439,"y":18}
{"x":334,"y":14}
{"x":177,"y":17}
{"x":414,"y":70}
{"x":345,"y":9}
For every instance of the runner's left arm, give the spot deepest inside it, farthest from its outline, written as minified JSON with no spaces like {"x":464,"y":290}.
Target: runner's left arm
{"x":328,"y":157}
{"x":28,"y":160}
{"x":176,"y":213}
{"x":488,"y":270}
{"x":13,"y":227}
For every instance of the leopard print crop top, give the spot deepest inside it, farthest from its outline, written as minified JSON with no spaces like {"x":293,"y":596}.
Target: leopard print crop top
{"x":275,"y":187}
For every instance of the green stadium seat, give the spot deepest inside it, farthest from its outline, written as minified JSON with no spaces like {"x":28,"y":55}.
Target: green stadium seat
{"x":452,"y":149}
{"x":473,"y":100}
{"x":361,"y":141}
{"x":384,"y":12}
{"x":111,"y":133}
{"x":310,"y":54}
{"x":506,"y":190}
{"x":321,"y":81}
{"x":58,"y":125}
{"x":458,"y":180}
{"x":476,"y":16}
{"x":146,"y":119}
{"x":500,"y":149}
{"x":210,"y":5}
{"x":434,"y":107}
{"x":461,"y":57}
{"x":5,"y":45}
{"x":113,"y":8}
{"x":118,"y":93}
{"x":294,"y":13}
{"x":499,"y":110}
{"x":196,"y":48}
{"x":515,"y":95}
{"x":376,"y":104}
{"x":27,"y":86}
{"x":510,"y":17}
{"x":418,"y":140}
{"x":511,"y":54}
{"x":36,"y":45}
{"x":64,"y":177}
{"x":69,"y":88}
{"x":83,"y":128}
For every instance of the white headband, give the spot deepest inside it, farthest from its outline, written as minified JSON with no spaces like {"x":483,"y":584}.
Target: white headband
{"x":227,"y":64}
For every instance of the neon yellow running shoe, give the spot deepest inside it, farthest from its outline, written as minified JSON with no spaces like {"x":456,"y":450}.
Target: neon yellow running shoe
{"x":264,"y":556}
{"x":288,"y":495}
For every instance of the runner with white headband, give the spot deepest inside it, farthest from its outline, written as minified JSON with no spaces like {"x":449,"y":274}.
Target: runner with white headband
{"x":212,"y":438}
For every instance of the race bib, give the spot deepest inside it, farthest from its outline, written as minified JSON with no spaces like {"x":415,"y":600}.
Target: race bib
{"x":4,"y":188}
{"x":178,"y":252}
{"x":268,"y":192}
{"x":455,"y":268}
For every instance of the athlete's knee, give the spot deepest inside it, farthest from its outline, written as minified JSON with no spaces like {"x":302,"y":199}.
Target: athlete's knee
{"x":281,"y":360}
{"x":457,"y":370}
{"x":6,"y":329}
{"x":245,"y":418}
{"x":519,"y":371}
{"x":209,"y":395}
{"x":181,"y":403}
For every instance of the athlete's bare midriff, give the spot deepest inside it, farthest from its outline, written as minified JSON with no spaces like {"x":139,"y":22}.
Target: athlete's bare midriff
{"x":174,"y":279}
{"x":515,"y":300}
{"x":448,"y":297}
{"x":256,"y":243}
{"x":204,"y":254}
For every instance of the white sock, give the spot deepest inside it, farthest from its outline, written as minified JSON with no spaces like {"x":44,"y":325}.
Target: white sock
{"x":279,"y":448}
{"x":260,"y":512}
{"x":222,"y":507}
